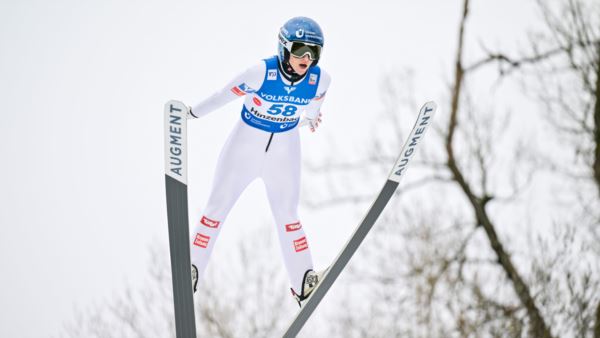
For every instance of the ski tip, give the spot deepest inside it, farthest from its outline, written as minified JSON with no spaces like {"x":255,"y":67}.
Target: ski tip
{"x":174,"y":103}
{"x":430,"y":104}
{"x":429,"y":108}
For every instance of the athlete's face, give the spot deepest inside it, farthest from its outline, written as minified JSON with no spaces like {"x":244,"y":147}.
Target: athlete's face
{"x":300,"y":65}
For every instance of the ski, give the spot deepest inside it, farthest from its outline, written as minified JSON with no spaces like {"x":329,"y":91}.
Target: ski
{"x":177,"y":215}
{"x":399,"y":170}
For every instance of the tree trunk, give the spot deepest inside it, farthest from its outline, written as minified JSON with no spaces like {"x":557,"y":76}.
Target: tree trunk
{"x":596,"y":167}
{"x":539,"y":329}
{"x":597,"y":157}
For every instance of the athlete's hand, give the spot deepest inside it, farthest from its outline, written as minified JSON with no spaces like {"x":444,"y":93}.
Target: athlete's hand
{"x":190,"y":115}
{"x":312,"y":123}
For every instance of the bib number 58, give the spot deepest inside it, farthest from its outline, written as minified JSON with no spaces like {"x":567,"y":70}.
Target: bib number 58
{"x":285,"y":110}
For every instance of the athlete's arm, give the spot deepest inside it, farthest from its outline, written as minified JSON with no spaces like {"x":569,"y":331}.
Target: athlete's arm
{"x":312,"y":114}
{"x":249,"y":80}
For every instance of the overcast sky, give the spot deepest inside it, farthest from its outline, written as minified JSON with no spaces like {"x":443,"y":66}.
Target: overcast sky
{"x":82,"y":86}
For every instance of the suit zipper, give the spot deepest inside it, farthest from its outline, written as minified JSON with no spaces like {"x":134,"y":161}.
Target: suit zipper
{"x":271,"y":137}
{"x":268,"y":144}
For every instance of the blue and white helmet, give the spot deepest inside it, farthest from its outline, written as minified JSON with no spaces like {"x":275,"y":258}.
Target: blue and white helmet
{"x":300,"y":36}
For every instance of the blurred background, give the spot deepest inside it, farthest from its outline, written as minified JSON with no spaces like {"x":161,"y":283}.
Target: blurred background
{"x":494,"y":232}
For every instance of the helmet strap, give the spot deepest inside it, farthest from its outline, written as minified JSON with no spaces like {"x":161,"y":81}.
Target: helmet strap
{"x":286,"y":69}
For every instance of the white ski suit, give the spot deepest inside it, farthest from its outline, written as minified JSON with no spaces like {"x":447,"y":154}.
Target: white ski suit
{"x":264,"y":143}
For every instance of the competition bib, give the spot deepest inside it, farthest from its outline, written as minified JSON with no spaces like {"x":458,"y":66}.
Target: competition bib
{"x":277,"y":107}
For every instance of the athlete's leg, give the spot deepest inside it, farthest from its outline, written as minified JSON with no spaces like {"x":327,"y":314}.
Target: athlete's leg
{"x":239,"y":164}
{"x":281,"y":176}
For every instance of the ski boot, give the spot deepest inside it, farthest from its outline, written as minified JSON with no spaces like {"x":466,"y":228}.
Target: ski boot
{"x":194,"y":278}
{"x":311,"y":280}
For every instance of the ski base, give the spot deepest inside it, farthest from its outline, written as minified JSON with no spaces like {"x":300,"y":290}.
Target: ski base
{"x":177,"y":214}
{"x":423,"y":121}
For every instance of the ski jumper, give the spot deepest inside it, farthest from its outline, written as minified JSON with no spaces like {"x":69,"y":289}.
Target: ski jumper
{"x":264,"y":143}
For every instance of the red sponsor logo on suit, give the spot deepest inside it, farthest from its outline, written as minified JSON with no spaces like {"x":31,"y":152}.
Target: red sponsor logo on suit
{"x":209,"y":222}
{"x":300,"y":244}
{"x":293,"y":227}
{"x":237,"y":91}
{"x":201,"y":240}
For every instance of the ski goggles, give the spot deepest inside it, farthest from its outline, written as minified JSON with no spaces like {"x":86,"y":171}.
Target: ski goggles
{"x":300,"y":49}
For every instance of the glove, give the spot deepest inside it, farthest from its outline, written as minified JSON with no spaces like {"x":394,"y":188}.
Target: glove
{"x":189,"y":114}
{"x":312,"y":123}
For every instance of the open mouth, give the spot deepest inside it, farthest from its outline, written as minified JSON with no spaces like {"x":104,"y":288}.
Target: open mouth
{"x":303,"y":65}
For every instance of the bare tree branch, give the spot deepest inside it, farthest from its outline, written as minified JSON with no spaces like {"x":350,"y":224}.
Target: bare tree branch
{"x":538,"y":325}
{"x":511,"y":63}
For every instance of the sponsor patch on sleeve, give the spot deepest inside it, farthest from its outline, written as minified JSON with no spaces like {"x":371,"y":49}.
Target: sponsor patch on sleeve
{"x":246,"y":89}
{"x":237,"y":91}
